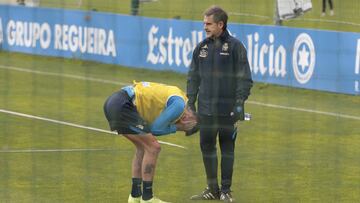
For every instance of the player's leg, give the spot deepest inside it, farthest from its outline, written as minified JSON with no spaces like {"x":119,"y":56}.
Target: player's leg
{"x":151,"y":149}
{"x":331,"y":7}
{"x":208,"y":134}
{"x":323,"y":7}
{"x":134,"y":7}
{"x":136,"y":191}
{"x":124,"y":118}
{"x":138,"y":157}
{"x":331,"y":4}
{"x":227,"y":137}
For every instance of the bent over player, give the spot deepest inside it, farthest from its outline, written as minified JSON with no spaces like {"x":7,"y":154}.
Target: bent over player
{"x":141,"y":112}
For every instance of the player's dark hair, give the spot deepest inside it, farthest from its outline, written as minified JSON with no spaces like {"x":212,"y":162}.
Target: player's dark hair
{"x":219,"y":15}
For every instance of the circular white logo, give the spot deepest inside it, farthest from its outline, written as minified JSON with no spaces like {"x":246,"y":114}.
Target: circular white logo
{"x":303,"y":58}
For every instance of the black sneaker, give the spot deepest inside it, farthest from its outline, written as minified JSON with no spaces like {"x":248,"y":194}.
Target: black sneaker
{"x":226,"y":197}
{"x":207,"y":194}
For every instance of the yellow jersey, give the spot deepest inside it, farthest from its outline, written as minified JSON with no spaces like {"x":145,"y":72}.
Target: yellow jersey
{"x":151,"y":98}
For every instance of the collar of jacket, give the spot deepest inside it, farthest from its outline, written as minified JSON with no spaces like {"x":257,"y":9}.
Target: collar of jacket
{"x":224,"y":35}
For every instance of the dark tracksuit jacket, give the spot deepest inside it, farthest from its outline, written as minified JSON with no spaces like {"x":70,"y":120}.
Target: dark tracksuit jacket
{"x":219,"y":75}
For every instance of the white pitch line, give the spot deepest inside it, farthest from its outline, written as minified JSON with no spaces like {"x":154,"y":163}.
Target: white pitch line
{"x":306,"y":110}
{"x":50,"y":150}
{"x":118,"y":83}
{"x":73,"y":125}
{"x":327,"y":21}
{"x":298,"y":19}
{"x":76,"y":77}
{"x":248,"y":14}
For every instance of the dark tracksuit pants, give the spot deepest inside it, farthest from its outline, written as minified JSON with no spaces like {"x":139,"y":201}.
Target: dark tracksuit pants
{"x":135,"y":7}
{"x":324,"y":5}
{"x":210,"y":127}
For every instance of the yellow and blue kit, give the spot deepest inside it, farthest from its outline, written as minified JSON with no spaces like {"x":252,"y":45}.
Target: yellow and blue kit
{"x":148,"y":107}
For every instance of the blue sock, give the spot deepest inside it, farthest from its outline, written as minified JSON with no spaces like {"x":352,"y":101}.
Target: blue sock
{"x":147,"y":189}
{"x":136,"y":187}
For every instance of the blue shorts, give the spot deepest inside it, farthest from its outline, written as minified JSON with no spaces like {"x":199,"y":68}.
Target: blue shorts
{"x":122,"y":115}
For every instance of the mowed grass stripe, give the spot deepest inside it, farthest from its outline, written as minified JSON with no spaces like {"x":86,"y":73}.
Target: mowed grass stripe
{"x":92,"y":79}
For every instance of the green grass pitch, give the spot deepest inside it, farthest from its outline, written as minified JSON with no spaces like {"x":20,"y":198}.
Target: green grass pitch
{"x":300,"y":146}
{"x":287,"y":153}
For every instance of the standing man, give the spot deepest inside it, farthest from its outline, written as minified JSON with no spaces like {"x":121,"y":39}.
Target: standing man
{"x":220,"y":78}
{"x":135,"y":7}
{"x":324,"y":7}
{"x":141,"y":112}
{"x":135,"y":4}
{"x":21,"y":2}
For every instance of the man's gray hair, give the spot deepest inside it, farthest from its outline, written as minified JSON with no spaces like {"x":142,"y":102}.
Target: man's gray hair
{"x":219,"y":15}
